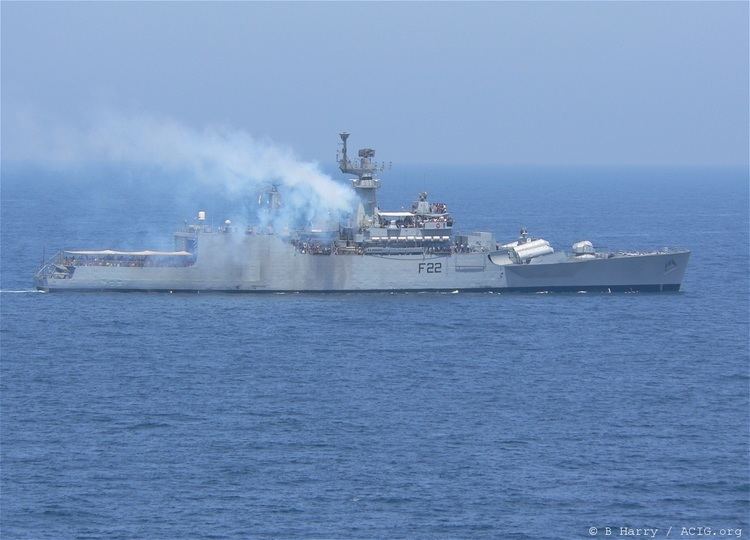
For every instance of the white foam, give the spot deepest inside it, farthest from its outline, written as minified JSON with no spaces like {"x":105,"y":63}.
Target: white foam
{"x":20,"y":291}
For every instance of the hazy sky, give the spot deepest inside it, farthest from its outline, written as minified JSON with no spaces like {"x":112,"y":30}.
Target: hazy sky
{"x":535,"y":83}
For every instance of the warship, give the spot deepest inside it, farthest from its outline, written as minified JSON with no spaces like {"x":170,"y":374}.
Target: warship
{"x":417,"y":249}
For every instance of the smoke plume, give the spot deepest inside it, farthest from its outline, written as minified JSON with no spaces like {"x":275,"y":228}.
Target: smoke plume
{"x":219,"y":156}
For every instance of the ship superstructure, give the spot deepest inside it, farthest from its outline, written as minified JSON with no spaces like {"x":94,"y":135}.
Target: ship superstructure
{"x":370,"y":250}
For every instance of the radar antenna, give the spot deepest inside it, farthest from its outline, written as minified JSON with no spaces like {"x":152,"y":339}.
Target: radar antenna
{"x":270,"y":199}
{"x":366,"y":166}
{"x":366,"y":184}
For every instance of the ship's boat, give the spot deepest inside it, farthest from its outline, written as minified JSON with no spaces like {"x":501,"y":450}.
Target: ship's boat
{"x":371,"y":250}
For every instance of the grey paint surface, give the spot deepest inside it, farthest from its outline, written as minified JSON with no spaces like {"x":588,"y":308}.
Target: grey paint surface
{"x":239,"y":262}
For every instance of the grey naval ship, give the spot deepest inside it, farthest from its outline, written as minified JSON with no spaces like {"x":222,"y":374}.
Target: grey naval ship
{"x":371,"y":250}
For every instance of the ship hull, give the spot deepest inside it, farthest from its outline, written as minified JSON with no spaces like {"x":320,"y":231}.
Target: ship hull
{"x":269,"y":264}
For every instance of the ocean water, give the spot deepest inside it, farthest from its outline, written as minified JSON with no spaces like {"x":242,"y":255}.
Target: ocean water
{"x":379,"y":415}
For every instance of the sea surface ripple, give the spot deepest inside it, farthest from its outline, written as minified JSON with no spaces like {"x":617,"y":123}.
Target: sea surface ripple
{"x":379,"y":415}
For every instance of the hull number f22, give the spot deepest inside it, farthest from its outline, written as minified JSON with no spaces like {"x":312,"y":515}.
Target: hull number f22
{"x":430,"y":268}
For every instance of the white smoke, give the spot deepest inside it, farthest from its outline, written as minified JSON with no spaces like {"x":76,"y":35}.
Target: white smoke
{"x":219,"y":156}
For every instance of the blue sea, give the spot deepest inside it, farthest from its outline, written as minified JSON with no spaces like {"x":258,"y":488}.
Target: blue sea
{"x":471,"y":415}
